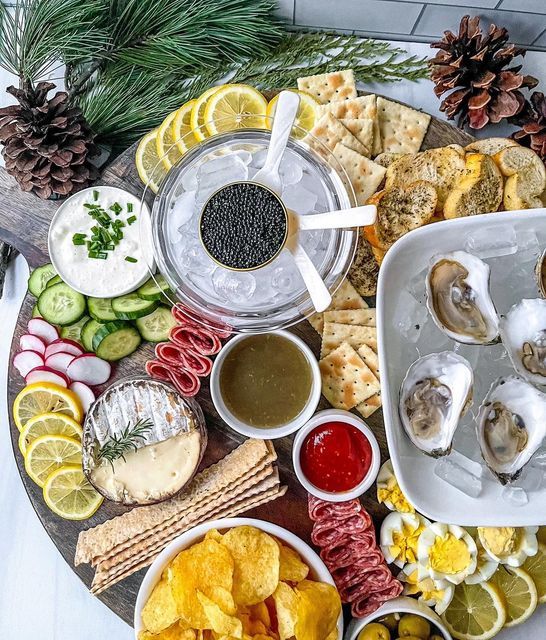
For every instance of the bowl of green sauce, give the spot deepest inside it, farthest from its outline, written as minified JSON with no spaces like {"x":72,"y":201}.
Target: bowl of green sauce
{"x":266,"y":385}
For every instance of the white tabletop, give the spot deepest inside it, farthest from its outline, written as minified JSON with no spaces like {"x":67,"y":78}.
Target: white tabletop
{"x":40,"y":596}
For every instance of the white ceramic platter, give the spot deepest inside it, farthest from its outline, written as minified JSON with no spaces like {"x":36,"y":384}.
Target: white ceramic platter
{"x":510,"y":243}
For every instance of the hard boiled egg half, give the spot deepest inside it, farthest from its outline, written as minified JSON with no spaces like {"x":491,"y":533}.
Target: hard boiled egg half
{"x":389,"y":492}
{"x":446,"y":553}
{"x":425,"y":589}
{"x":509,"y":545}
{"x":399,"y":537}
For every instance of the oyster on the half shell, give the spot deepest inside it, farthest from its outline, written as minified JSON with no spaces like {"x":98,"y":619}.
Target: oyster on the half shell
{"x":434,"y":395}
{"x":458,"y":298}
{"x":511,"y":426}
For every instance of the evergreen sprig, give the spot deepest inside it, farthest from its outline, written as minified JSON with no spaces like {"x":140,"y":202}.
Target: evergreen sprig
{"x":128,"y":440}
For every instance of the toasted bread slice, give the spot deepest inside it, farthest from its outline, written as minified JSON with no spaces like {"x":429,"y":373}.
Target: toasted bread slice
{"x":400,"y":210}
{"x":513,"y":159}
{"x":523,"y":190}
{"x":442,"y":167}
{"x":479,"y":191}
{"x":386,"y":158}
{"x":490,"y":146}
{"x":364,"y":270}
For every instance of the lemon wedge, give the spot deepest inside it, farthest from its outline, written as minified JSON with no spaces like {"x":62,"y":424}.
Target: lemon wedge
{"x":477,"y":611}
{"x":49,"y":424}
{"x":520,"y":592}
{"x":48,"y":453}
{"x":165,"y":143}
{"x":150,"y":169}
{"x":45,"y":397}
{"x":308,"y":113}
{"x":68,"y":493}
{"x":535,"y":566}
{"x":181,"y":129}
{"x":235,"y":106}
{"x":197,"y":115}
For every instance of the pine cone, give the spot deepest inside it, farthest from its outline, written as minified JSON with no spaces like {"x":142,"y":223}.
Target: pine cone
{"x":474,"y":66}
{"x":47,"y":143}
{"x":533,"y":125}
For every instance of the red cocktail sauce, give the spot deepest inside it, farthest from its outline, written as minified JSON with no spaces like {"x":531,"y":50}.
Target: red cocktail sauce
{"x":335,"y":456}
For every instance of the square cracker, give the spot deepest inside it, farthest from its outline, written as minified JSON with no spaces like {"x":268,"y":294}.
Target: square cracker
{"x":365,"y":175}
{"x":331,"y":132}
{"x":370,"y":358}
{"x":346,"y":297}
{"x":335,"y":333}
{"x":361,"y":317}
{"x":346,"y":380}
{"x":402,"y":128}
{"x":327,"y":87}
{"x":362,"y":130}
{"x":361,"y":107}
{"x":370,"y":405}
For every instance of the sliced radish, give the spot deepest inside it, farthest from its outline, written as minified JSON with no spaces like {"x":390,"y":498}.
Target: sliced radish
{"x":59,"y":361}
{"x":25,"y":361}
{"x":89,"y":369}
{"x":39,"y":327}
{"x":46,"y":374}
{"x":66,"y":346}
{"x":28,"y":342}
{"x":84,"y":393}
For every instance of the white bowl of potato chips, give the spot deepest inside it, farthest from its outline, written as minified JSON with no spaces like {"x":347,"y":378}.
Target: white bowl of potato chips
{"x":238,"y":577}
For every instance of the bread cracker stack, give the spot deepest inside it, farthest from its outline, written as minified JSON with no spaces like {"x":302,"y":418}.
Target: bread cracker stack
{"x":246,"y":478}
{"x":349,"y":364}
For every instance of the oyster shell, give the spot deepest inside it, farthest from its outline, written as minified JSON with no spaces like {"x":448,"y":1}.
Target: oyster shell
{"x":511,"y":426}
{"x":523,"y":333}
{"x":458,"y":298}
{"x":540,"y":274}
{"x":435,"y":393}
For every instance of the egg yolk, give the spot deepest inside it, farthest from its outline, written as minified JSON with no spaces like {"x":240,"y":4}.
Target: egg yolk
{"x":501,"y":541}
{"x":393,"y":494}
{"x":404,"y":543}
{"x":448,"y":555}
{"x":425,"y":587}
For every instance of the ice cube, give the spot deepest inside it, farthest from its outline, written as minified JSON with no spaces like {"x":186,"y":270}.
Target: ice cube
{"x":182,"y":209}
{"x":290,"y":171}
{"x":458,"y":477}
{"x":531,"y":479}
{"x":258,"y":158}
{"x":409,"y":316}
{"x":233,"y":286}
{"x":217,"y":173}
{"x":539,"y":458}
{"x":245,"y":155}
{"x":299,"y":199}
{"x":473,"y":467}
{"x":282,"y":280}
{"x":490,"y":242}
{"x":515,"y":496}
{"x":470,"y":352}
{"x":189,"y":178}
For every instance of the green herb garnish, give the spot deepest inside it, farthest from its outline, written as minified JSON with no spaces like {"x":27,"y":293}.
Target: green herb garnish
{"x":130,"y":259}
{"x":129,"y":207}
{"x":118,"y":445}
{"x":116,"y":208}
{"x":95,"y":195}
{"x":131,"y":220}
{"x":78,"y":239}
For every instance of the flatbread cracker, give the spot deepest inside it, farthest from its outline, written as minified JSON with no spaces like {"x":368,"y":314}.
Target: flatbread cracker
{"x":370,"y":405}
{"x":364,"y":270}
{"x":334,"y":334}
{"x":370,"y":358}
{"x":361,"y":317}
{"x":346,"y":297}
{"x":329,"y":87}
{"x":402,"y":128}
{"x":346,"y":380}
{"x":365,"y":175}
{"x":362,"y":130}
{"x":331,"y":132}
{"x":361,"y":107}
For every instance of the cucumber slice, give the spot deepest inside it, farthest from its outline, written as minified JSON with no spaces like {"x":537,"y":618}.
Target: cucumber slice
{"x":101,"y":309}
{"x":36,"y":312}
{"x":74,"y":331}
{"x":61,"y":305}
{"x":154,"y":289}
{"x":115,"y":340}
{"x":88,"y":331}
{"x":131,"y":307}
{"x":39,"y":278}
{"x":155,"y":327}
{"x":54,"y":280}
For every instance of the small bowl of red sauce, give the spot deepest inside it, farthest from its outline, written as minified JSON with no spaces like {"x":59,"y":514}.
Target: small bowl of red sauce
{"x":336,"y":456}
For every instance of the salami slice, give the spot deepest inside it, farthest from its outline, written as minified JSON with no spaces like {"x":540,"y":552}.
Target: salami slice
{"x":158,"y":370}
{"x":186,"y":382}
{"x":198,"y":339}
{"x":175,"y":355}
{"x":185,"y":317}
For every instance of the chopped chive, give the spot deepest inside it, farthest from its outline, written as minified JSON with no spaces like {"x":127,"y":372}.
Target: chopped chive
{"x":130,"y":259}
{"x":131,"y":219}
{"x":78,"y":239}
{"x":129,"y":207}
{"x":116,"y":208}
{"x":95,"y":195}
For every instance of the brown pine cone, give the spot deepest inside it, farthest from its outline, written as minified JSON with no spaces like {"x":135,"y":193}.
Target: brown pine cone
{"x":533,"y":125}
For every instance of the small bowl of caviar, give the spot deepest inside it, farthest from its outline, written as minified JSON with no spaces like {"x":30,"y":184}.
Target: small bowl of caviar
{"x":336,"y":456}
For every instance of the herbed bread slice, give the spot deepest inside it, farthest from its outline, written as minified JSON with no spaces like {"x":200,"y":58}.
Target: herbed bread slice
{"x":364,"y":270}
{"x":479,"y":191}
{"x":490,"y":146}
{"x":523,"y":190}
{"x":386,"y":158}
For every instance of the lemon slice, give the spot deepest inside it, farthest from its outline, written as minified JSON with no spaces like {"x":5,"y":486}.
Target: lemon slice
{"x":181,"y":130}
{"x":308,"y":112}
{"x":235,"y":106}
{"x":150,"y":169}
{"x":477,"y":611}
{"x":49,"y":424}
{"x":45,"y":397}
{"x":520,"y":593}
{"x":165,"y":143}
{"x":68,"y":493}
{"x":197,"y":116}
{"x":535,"y":566}
{"x":48,"y":453}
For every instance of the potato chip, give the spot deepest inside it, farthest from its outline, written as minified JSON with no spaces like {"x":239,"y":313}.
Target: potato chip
{"x":256,"y":564}
{"x":207,"y":567}
{"x":319,"y":607}
{"x":286,"y":606}
{"x":213,"y":534}
{"x":261,"y":613}
{"x":251,"y":626}
{"x":174,"y":632}
{"x":219,"y":621}
{"x":292,"y":568}
{"x":160,"y":610}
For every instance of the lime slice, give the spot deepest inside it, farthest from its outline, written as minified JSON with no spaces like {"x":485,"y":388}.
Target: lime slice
{"x":68,"y":493}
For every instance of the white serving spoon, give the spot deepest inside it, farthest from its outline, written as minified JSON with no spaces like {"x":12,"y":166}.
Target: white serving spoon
{"x":342,"y":219}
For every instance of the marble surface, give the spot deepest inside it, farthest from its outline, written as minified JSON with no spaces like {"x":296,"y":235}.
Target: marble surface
{"x":40,"y":597}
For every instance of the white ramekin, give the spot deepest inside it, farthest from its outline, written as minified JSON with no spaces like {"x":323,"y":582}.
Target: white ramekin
{"x":341,"y":416}
{"x":274,"y":432}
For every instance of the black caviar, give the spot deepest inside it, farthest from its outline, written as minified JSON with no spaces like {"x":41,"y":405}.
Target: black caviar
{"x":243,"y":225}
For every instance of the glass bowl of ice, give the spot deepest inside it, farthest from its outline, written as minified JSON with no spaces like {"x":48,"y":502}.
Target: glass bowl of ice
{"x":212,"y":184}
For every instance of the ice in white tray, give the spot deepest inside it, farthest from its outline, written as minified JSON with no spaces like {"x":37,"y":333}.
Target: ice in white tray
{"x":458,"y":488}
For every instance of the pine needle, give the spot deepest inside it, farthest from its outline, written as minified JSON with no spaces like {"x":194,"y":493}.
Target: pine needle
{"x":128,"y":440}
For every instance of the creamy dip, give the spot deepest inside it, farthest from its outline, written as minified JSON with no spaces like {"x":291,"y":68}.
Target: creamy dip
{"x":114,"y":275}
{"x":152,"y":472}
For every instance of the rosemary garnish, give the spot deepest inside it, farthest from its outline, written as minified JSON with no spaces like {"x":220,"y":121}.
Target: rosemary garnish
{"x":118,"y":445}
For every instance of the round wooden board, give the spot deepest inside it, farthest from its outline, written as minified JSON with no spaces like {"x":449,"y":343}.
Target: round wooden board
{"x":24,"y":222}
